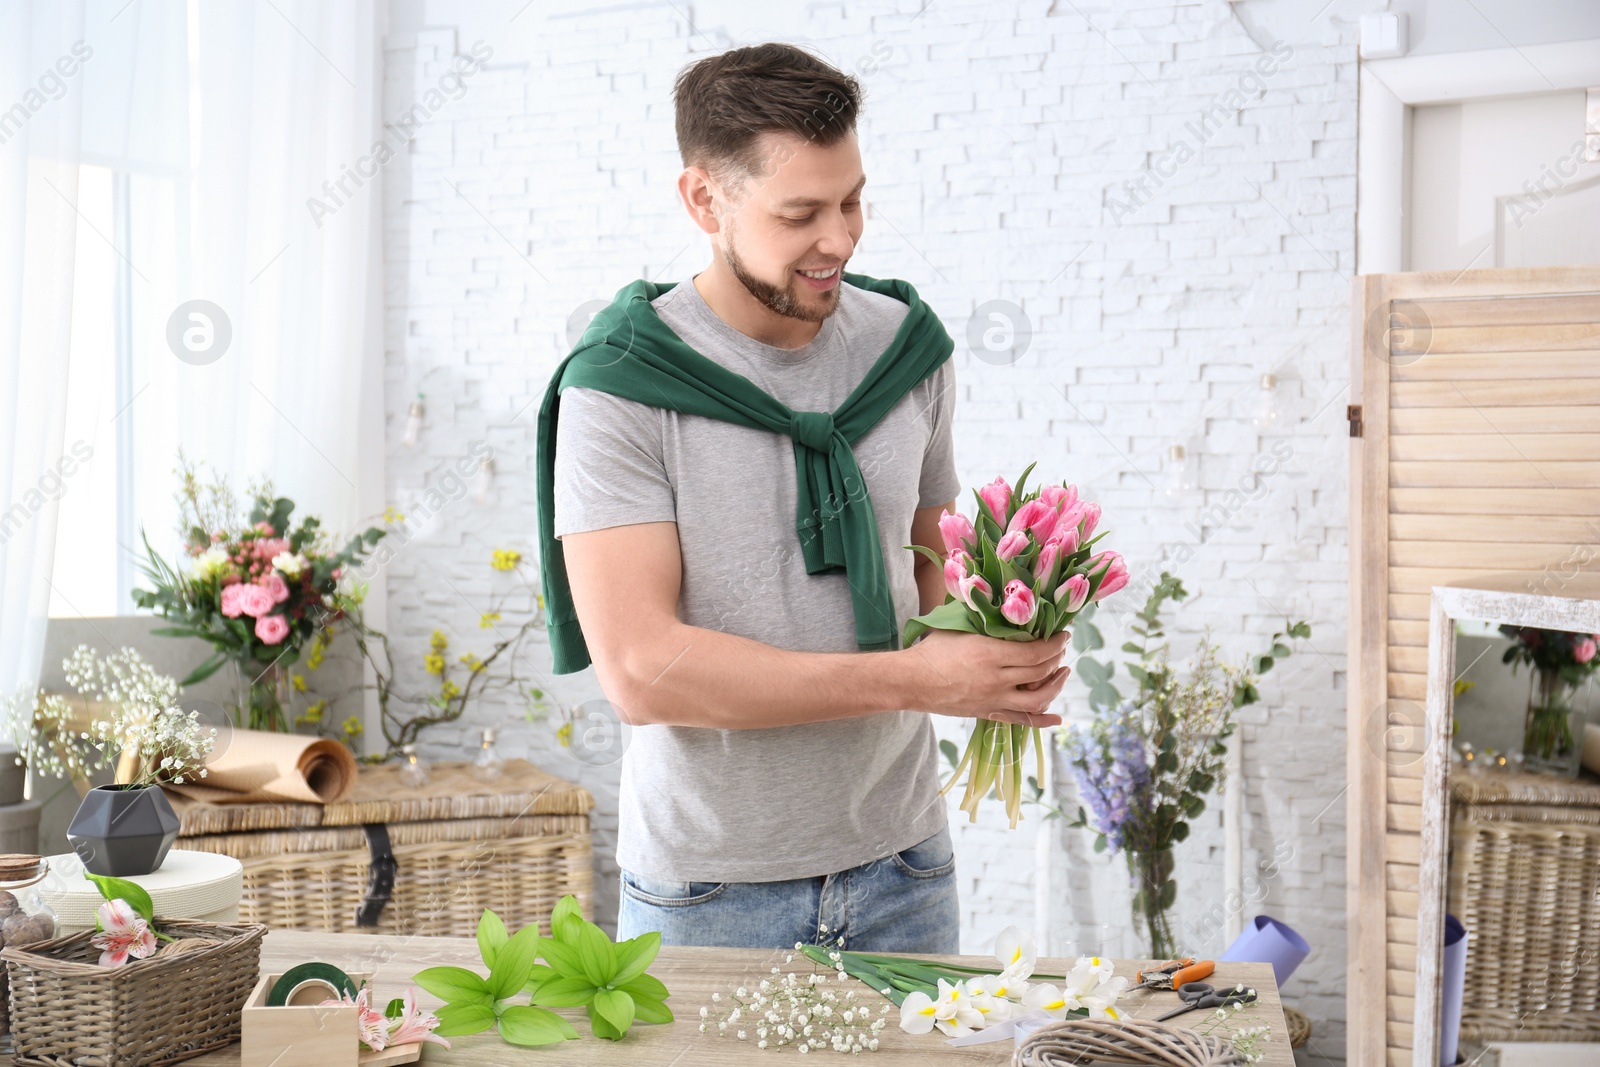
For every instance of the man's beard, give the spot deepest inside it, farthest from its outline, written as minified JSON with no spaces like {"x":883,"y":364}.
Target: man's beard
{"x":782,"y":301}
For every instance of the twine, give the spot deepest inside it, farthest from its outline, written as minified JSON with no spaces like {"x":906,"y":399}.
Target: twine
{"x":1139,"y":1041}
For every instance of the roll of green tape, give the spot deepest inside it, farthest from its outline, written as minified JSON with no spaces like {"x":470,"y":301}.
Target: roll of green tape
{"x":313,"y":975}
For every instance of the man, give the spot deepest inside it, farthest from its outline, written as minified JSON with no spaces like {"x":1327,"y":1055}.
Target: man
{"x":782,"y":784}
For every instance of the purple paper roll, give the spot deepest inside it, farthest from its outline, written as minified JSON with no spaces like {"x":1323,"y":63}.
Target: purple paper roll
{"x":1266,"y":940}
{"x":1452,"y":986}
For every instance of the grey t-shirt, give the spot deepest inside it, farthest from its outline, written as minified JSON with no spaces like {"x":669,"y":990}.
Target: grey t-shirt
{"x":756,"y":805}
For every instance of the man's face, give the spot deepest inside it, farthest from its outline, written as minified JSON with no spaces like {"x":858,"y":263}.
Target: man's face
{"x":801,"y":211}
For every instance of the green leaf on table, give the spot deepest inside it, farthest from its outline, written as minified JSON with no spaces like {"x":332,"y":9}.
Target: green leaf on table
{"x":562,"y":927}
{"x":562,"y":957}
{"x":454,"y":985}
{"x":492,"y":936}
{"x":524,"y":1025}
{"x":616,"y":1007}
{"x":634,"y":956}
{"x":597,"y":956}
{"x":646,"y":986}
{"x":571,"y":992}
{"x":460,"y":1019}
{"x":513,"y":963}
{"x":649,"y":1010}
{"x":538,"y":976}
{"x":601,"y":1027}
{"x":132,"y":892}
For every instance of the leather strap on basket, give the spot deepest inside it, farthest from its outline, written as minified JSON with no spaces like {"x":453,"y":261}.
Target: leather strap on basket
{"x":380,"y":875}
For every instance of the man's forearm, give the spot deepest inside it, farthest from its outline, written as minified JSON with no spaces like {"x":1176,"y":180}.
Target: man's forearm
{"x":692,"y":676}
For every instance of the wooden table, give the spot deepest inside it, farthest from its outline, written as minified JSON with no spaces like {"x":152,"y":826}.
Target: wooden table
{"x":692,"y":974}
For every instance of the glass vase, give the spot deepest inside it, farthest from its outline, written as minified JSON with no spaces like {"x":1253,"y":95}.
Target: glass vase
{"x":1154,"y":893}
{"x":264,"y":696}
{"x":1552,"y":737}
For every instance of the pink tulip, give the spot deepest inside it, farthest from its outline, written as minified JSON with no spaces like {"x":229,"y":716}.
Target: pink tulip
{"x":125,"y":933}
{"x":970,"y":584}
{"x":1076,"y":591}
{"x":957,"y":531}
{"x":231,"y":606}
{"x":1064,"y":537}
{"x":1047,"y":559}
{"x":1116,"y":572}
{"x":1091,"y":519}
{"x":272,"y":629}
{"x":955,"y":569}
{"x":1019,"y":605}
{"x":1011,"y":545}
{"x":274,"y":584}
{"x":1059,"y":497}
{"x":254,"y":600}
{"x":1583,"y":650}
{"x":997,"y":494}
{"x":1035,"y":517}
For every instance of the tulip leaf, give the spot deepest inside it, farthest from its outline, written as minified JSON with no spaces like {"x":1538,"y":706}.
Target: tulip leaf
{"x":932,"y":556}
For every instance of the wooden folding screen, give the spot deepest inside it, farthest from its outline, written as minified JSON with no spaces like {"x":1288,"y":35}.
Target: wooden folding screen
{"x":1475,"y":424}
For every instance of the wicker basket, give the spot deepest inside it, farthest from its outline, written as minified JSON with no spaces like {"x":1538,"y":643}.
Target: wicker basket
{"x":515,"y":845}
{"x":67,"y":1010}
{"x":1525,"y":881}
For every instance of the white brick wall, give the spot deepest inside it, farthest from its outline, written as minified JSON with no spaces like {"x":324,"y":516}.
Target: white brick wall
{"x":997,"y":140}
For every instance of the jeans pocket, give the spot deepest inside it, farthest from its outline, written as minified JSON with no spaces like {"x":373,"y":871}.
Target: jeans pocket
{"x":665,"y":893}
{"x":932,"y":858}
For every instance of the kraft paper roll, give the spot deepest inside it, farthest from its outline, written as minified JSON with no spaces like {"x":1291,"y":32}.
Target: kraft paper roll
{"x":258,"y":765}
{"x":1266,"y":940}
{"x":1591,"y":747}
{"x":1452,"y":987}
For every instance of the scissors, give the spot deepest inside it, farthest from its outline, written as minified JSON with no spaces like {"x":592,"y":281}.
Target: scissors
{"x":1173,"y":974}
{"x":1204,"y":995}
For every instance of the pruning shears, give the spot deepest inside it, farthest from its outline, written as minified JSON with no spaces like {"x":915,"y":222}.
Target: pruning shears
{"x":1173,"y":974}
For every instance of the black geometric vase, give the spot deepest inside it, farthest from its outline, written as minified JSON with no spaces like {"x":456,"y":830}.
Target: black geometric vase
{"x":123,"y":832}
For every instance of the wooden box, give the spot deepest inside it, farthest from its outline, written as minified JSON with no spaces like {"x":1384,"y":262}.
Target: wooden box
{"x":306,"y":1033}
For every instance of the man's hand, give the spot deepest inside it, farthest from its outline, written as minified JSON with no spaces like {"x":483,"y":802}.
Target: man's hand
{"x":983,"y":677}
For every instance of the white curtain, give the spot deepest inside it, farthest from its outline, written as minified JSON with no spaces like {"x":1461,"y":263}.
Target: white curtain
{"x":41,"y":101}
{"x":272,"y":215}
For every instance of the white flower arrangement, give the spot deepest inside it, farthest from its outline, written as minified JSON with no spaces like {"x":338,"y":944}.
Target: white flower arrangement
{"x":135,"y":713}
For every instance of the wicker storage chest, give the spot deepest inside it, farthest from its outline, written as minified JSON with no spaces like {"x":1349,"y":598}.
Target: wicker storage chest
{"x":1525,"y":881}
{"x":397,"y":859}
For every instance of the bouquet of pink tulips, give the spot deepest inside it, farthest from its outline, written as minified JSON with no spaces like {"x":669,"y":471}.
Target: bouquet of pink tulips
{"x":1020,"y":572}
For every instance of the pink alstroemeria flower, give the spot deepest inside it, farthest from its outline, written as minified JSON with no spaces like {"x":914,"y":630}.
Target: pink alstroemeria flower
{"x":1076,"y":592}
{"x":371,"y":1026}
{"x":415,"y":1024}
{"x":957,"y":531}
{"x":1012,"y":545}
{"x":1019,"y":605}
{"x":997,"y":494}
{"x":125,"y":933}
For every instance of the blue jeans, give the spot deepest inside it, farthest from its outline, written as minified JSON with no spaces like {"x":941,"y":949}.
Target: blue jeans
{"x":904,"y":902}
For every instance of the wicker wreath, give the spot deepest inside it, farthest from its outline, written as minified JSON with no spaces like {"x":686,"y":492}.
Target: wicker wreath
{"x":1073,"y":1041}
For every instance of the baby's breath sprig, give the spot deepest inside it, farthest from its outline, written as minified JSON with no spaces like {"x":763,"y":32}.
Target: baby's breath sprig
{"x":1246,"y":1042}
{"x":804,"y":1010}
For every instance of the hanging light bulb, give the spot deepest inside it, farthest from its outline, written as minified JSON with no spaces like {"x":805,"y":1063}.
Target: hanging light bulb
{"x":483,"y":481}
{"x":488,"y":761}
{"x":414,"y":421}
{"x":1266,"y":416}
{"x":413,"y":768}
{"x":1181,"y":477}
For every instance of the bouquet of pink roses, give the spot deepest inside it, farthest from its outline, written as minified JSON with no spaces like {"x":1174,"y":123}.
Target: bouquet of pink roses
{"x":1020,"y":572}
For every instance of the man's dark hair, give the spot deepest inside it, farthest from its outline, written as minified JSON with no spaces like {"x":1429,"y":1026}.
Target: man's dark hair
{"x":726,"y":102}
